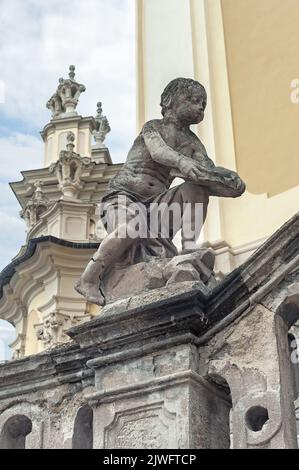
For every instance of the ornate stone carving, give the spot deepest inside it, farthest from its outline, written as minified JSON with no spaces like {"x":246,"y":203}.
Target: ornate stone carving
{"x":102,"y":127}
{"x":36,"y":206}
{"x":65,"y":99}
{"x":52,"y":330}
{"x":69,"y":168}
{"x":148,"y":427}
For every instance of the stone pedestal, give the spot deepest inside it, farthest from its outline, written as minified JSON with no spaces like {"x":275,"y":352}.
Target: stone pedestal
{"x":149,"y":392}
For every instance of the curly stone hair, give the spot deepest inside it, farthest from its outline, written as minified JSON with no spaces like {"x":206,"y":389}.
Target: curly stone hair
{"x":176,"y":86}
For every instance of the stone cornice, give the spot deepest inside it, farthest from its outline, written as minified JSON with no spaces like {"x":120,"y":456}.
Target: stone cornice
{"x":59,"y":207}
{"x":11,"y":279}
{"x":44,"y":371}
{"x":95,"y":181}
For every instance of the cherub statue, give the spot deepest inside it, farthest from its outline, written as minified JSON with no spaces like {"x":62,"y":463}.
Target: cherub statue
{"x":55,"y":105}
{"x":164,"y":149}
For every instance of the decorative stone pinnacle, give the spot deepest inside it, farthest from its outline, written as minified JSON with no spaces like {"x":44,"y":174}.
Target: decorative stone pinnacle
{"x":99,"y":110}
{"x":35,"y":206}
{"x":102,"y":127}
{"x":64,"y":101}
{"x":72,"y":72}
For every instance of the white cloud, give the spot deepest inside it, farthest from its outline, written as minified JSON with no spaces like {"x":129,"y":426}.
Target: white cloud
{"x":44,"y":38}
{"x":19,"y":152}
{"x":38,"y":41}
{"x":12,"y":236}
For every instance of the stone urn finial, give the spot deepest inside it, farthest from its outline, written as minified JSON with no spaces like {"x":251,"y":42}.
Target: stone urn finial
{"x":72,"y":72}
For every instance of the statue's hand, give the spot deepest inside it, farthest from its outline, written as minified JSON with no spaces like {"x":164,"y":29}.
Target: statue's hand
{"x":240,"y":185}
{"x":232,"y":178}
{"x":190,"y":170}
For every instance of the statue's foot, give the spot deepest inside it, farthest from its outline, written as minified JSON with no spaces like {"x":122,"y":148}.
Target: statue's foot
{"x":91,"y":292}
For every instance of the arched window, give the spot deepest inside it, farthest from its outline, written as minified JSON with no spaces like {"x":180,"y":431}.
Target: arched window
{"x":62,"y":141}
{"x":14,"y":432}
{"x":83,"y":429}
{"x":92,"y":228}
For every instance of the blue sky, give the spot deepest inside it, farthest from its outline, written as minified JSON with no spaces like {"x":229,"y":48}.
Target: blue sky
{"x":38,"y":41}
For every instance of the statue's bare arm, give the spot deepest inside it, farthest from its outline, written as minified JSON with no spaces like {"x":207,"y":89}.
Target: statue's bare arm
{"x":165,"y":155}
{"x":199,"y":169}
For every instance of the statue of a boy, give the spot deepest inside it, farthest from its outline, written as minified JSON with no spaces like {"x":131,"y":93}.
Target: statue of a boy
{"x":165,"y":148}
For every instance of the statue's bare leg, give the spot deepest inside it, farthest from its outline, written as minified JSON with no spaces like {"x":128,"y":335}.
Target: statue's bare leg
{"x":193,"y":200}
{"x":114,"y":245}
{"x":110,"y":250}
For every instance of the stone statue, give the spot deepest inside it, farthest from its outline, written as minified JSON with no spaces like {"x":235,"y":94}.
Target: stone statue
{"x":102,"y":127}
{"x":165,"y":148}
{"x":35,"y":206}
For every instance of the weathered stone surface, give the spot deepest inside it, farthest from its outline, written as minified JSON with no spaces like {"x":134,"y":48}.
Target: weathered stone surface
{"x":172,"y":367}
{"x":194,"y":266}
{"x":127,"y":281}
{"x":124,"y":282}
{"x":256,"y":368}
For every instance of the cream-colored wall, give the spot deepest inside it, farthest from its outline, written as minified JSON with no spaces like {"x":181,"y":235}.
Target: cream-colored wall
{"x":262,"y":40}
{"x":244,"y":52}
{"x":55,"y":140}
{"x":32,"y":345}
{"x":164,"y":49}
{"x":59,"y":270}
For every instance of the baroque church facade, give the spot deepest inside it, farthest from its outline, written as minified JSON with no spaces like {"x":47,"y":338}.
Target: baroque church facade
{"x":59,"y":207}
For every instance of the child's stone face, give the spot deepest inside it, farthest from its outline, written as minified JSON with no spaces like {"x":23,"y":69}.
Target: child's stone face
{"x":190,"y":109}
